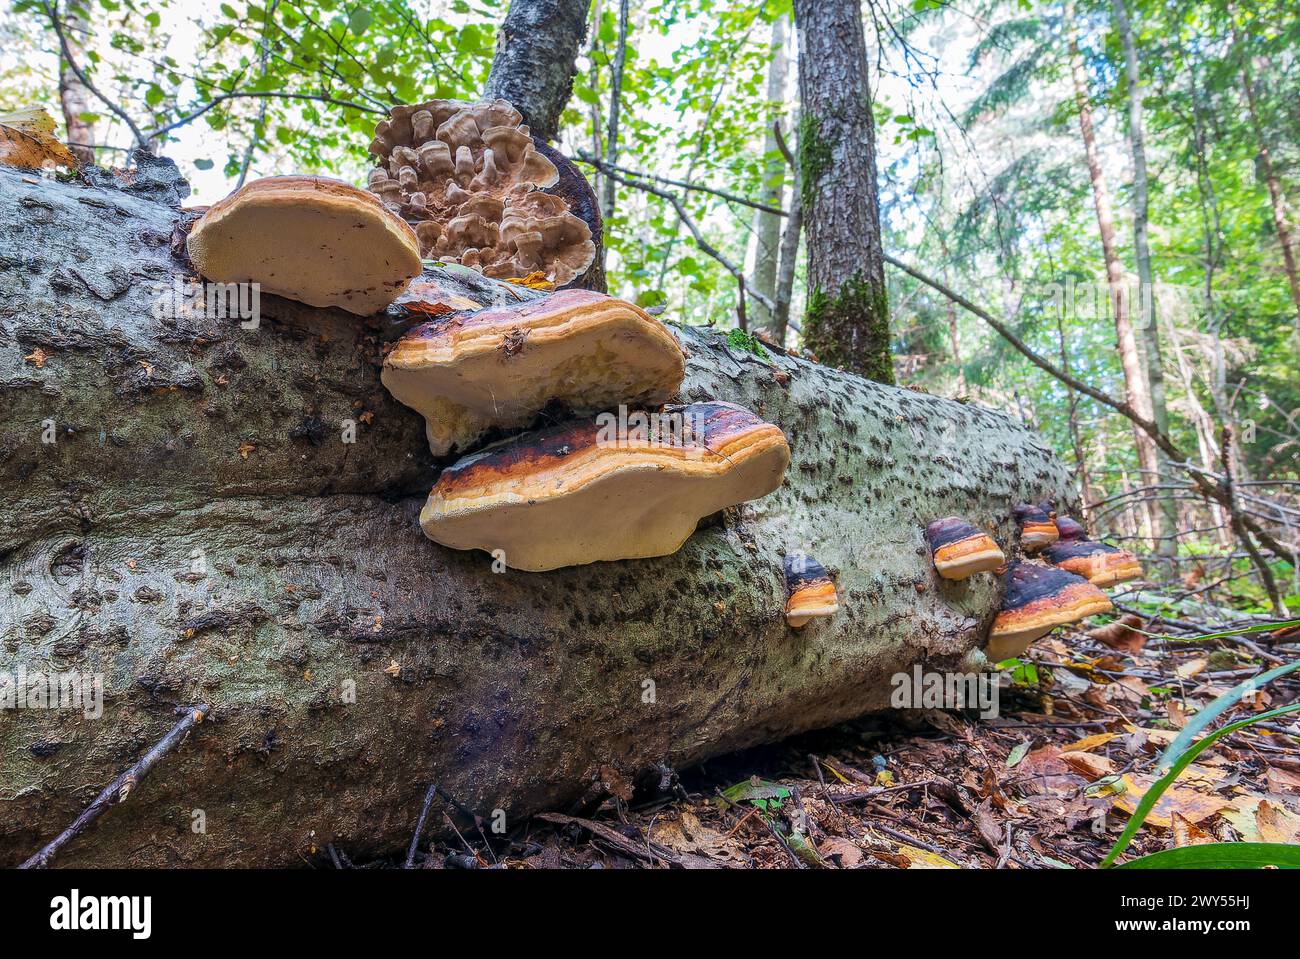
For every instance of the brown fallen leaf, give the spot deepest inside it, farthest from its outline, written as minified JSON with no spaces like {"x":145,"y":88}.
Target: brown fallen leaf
{"x":27,"y":140}
{"x":1187,"y":833}
{"x":1281,"y":781}
{"x":1089,"y":743}
{"x":1276,"y":823}
{"x":37,"y":358}
{"x":1193,"y":667}
{"x":1191,"y":803}
{"x":1122,"y":634}
{"x":1088,"y":764}
{"x":245,"y":448}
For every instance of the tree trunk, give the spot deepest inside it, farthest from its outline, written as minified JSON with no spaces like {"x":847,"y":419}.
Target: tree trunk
{"x":536,"y":57}
{"x":846,"y":320}
{"x":1148,"y":327}
{"x":1277,"y":198}
{"x":615,"y":97}
{"x":198,"y":529}
{"x":73,"y":95}
{"x":767,"y":226}
{"x":1134,"y":375}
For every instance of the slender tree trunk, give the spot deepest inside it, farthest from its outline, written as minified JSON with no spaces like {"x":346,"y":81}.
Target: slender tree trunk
{"x":846,"y":320}
{"x":615,"y":102}
{"x":1134,"y":375}
{"x":1147,"y":326}
{"x":767,"y":226}
{"x":536,"y":56}
{"x":1277,"y":197}
{"x":1072,"y":400}
{"x":73,"y":95}
{"x":789,"y":252}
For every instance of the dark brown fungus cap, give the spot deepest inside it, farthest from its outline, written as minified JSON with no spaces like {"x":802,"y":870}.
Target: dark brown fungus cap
{"x":1036,"y":599}
{"x":960,"y":549}
{"x":810,"y":594}
{"x":1037,"y":526}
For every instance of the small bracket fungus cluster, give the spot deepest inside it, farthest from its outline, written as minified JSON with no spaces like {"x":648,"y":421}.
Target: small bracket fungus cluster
{"x":559,"y":497}
{"x":1099,"y":563}
{"x":960,"y":550}
{"x":471,"y":180}
{"x":1037,"y":599}
{"x":810,"y":594}
{"x":1037,"y":524}
{"x":308,"y":238}
{"x":502,"y":366}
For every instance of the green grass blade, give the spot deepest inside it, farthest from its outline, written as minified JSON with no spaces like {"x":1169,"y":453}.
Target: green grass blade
{"x":1221,"y":855}
{"x":1216,"y":709}
{"x":1157,"y":789}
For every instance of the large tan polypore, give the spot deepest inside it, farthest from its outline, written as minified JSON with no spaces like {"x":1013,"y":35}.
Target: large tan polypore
{"x":500,"y":367}
{"x":1037,"y":599}
{"x":312,"y":239}
{"x":470,"y":179}
{"x":580,"y":492}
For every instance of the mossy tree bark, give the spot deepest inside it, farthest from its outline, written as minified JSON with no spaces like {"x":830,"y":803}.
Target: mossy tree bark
{"x":186,"y":517}
{"x":846,"y":321}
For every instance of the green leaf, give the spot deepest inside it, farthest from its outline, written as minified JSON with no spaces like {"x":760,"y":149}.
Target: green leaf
{"x":1152,"y":795}
{"x":1211,"y":712}
{"x":154,"y":95}
{"x":1221,"y":855}
{"x":361,"y":18}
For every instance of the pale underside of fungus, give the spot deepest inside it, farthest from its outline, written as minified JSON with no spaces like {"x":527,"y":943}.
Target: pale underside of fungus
{"x":563,"y":497}
{"x":470,"y":179}
{"x":308,"y":238}
{"x":1036,"y":600}
{"x":502,"y":366}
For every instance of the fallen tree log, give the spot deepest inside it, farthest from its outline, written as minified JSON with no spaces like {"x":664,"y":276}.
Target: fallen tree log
{"x":184,"y":517}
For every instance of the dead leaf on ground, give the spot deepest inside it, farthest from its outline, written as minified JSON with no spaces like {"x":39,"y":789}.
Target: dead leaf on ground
{"x":1089,"y":743}
{"x":1195,"y":805}
{"x":1276,"y":823}
{"x":1187,"y":833}
{"x":1122,"y":634}
{"x":1192,"y":667}
{"x":1281,"y":781}
{"x":27,"y":140}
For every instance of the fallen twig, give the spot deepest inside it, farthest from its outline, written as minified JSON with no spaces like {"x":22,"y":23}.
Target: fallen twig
{"x":120,"y":788}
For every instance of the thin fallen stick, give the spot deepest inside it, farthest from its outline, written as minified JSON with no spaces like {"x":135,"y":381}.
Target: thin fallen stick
{"x":419,"y":824}
{"x":120,"y":788}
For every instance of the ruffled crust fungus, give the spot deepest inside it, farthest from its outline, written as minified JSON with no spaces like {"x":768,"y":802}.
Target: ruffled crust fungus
{"x":471,"y":180}
{"x":1037,"y":526}
{"x":502,"y":366}
{"x":810,"y":594}
{"x":1099,"y":563}
{"x":1037,"y":599}
{"x":960,"y":549}
{"x":308,"y":238}
{"x":565,"y":497}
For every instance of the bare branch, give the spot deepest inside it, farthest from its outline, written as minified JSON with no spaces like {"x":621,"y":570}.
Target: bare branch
{"x":603,"y":165}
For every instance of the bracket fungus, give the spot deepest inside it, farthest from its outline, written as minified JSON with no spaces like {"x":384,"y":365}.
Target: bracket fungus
{"x":1037,"y":523}
{"x":1036,"y":599}
{"x":504,"y":365}
{"x":308,"y":238}
{"x":471,"y":180}
{"x":564,"y":496}
{"x":1099,"y":563}
{"x":960,"y":549}
{"x":810,"y":594}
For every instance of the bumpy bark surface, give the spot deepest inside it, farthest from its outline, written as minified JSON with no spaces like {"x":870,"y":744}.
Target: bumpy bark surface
{"x":533,"y":68}
{"x":144,"y":545}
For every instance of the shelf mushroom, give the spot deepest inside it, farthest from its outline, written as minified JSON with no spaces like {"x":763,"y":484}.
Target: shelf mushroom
{"x":1099,"y":563}
{"x":960,"y":549}
{"x":810,"y":594}
{"x":473,"y":182}
{"x":502,"y":366}
{"x":308,"y":238}
{"x":1037,"y":526}
{"x":1036,"y":599}
{"x":570,"y":495}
